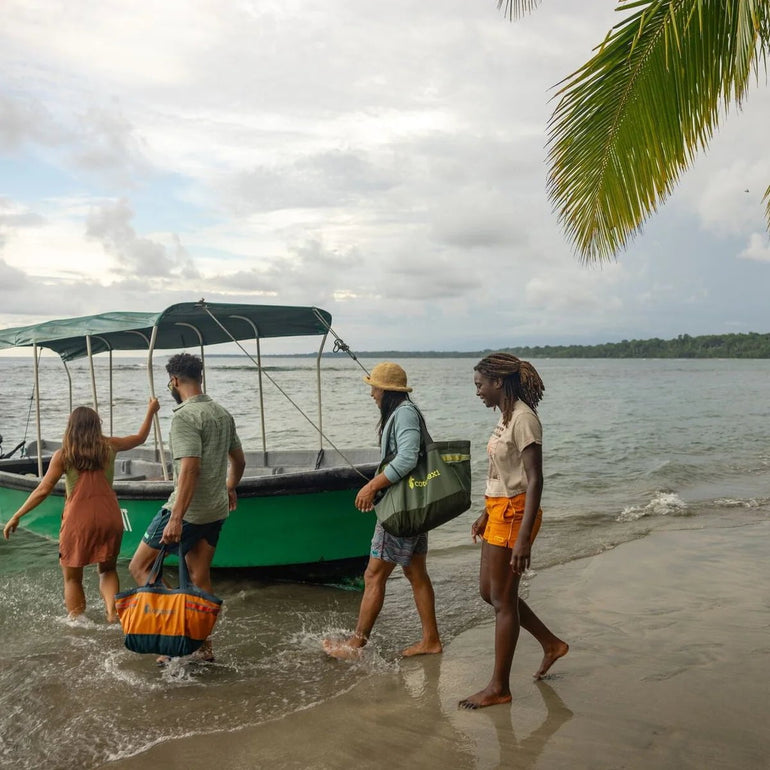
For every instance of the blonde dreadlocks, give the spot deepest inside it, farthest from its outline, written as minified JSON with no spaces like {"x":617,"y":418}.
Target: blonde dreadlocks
{"x":520,"y":381}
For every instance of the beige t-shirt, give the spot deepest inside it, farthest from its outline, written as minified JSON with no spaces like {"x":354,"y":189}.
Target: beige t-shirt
{"x":506,"y":476}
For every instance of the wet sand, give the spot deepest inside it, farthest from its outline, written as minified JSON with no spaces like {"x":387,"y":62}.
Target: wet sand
{"x":668,"y":669}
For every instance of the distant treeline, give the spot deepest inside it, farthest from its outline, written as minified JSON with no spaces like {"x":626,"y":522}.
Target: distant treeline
{"x":751,"y":345}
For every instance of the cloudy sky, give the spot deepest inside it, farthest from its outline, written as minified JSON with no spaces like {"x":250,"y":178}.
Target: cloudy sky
{"x":384,"y":161}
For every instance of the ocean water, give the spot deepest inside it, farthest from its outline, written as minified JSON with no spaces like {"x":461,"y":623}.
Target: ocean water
{"x":630,"y":447}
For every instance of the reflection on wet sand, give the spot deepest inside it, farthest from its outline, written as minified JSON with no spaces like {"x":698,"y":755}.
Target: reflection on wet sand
{"x":523,"y":753}
{"x":511,"y":735}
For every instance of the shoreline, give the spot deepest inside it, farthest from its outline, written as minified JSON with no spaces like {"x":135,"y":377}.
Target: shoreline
{"x":667,"y":668}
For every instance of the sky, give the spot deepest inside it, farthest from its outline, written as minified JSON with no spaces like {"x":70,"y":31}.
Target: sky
{"x":384,"y":161}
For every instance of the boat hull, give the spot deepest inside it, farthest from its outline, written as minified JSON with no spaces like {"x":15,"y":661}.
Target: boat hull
{"x":304,"y":518}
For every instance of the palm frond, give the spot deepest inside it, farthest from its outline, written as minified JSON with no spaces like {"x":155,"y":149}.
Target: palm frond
{"x":515,"y":9}
{"x":766,"y":200}
{"x":632,"y":119}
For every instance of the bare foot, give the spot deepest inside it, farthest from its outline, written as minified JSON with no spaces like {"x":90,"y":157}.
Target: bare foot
{"x":204,"y":654}
{"x":487,"y":697}
{"x":423,"y":648}
{"x":551,"y":655}
{"x":350,"y":649}
{"x":193,"y":657}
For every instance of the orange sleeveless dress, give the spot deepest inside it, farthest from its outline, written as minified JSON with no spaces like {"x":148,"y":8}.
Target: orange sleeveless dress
{"x":92,"y":525}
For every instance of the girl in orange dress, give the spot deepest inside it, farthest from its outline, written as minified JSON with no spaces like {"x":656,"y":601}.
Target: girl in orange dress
{"x":92,"y":525}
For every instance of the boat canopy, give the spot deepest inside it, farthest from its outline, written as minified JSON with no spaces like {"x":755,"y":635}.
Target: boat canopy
{"x":187,"y":324}
{"x":184,"y":325}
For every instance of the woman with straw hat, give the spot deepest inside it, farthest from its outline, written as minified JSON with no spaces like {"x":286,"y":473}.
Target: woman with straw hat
{"x":399,"y":431}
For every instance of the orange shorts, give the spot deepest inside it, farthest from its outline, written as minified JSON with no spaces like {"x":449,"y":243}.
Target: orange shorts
{"x":505,"y":517}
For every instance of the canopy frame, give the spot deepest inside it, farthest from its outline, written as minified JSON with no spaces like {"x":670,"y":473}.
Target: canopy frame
{"x":87,"y":336}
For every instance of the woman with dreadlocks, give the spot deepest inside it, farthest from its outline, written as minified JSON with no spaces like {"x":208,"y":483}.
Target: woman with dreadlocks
{"x":92,"y":525}
{"x":512,"y":515}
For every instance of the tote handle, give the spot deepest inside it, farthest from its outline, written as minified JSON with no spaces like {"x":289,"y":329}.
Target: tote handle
{"x":156,"y":572}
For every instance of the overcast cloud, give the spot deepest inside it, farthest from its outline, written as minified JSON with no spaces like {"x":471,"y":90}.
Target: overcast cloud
{"x":384,"y":161}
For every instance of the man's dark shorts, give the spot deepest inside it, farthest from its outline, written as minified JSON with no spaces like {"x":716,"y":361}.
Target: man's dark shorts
{"x":191,"y":533}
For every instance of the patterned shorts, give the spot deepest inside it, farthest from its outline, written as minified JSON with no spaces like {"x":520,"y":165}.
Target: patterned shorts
{"x":397,"y":550}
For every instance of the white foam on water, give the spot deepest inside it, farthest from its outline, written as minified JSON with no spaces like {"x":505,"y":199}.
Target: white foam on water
{"x":730,"y":502}
{"x":145,"y":679}
{"x":79,"y":622}
{"x":180,"y":671}
{"x":127,"y":747}
{"x":661,"y":504}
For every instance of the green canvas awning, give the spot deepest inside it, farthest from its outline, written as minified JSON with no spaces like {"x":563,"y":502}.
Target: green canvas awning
{"x":178,"y":326}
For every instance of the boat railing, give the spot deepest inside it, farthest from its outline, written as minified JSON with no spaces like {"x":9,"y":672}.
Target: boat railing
{"x":142,"y":463}
{"x":274,"y":462}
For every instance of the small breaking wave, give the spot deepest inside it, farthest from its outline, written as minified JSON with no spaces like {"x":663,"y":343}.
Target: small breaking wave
{"x":662,"y":504}
{"x":730,"y":502}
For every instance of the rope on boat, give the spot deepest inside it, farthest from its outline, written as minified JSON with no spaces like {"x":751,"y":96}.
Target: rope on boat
{"x":23,"y":444}
{"x":283,"y":392}
{"x":339,"y":344}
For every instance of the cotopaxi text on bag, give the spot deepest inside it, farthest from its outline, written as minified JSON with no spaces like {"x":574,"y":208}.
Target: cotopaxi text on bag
{"x":436,"y":490}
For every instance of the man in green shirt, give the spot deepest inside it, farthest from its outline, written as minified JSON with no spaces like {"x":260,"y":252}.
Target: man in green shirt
{"x":202,"y":439}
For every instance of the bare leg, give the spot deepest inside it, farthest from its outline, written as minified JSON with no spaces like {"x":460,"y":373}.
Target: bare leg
{"x":74,"y":596}
{"x":503,"y":595}
{"x":141,"y":563}
{"x":375,"y":578}
{"x":109,"y":585}
{"x":424,"y":598}
{"x":553,"y":647}
{"x":198,"y":560}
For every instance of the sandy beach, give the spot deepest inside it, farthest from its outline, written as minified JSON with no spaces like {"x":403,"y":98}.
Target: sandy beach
{"x":668,"y":669}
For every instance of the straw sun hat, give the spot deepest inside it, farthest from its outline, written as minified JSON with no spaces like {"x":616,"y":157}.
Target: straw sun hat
{"x":388,"y":376}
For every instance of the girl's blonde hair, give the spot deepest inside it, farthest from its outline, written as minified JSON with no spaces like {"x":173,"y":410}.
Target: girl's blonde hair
{"x":84,"y":446}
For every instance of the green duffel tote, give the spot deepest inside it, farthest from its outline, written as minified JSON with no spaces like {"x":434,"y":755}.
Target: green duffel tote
{"x":437,"y":490}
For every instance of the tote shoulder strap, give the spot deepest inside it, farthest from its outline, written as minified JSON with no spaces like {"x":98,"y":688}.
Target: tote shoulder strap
{"x":425,"y":437}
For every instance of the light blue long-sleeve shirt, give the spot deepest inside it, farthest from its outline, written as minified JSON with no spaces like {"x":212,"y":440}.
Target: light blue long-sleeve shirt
{"x":401,"y":434}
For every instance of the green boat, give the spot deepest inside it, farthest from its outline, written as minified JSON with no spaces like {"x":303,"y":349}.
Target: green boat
{"x":308,"y":493}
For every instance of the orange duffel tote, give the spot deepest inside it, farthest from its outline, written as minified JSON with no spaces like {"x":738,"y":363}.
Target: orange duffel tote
{"x":166,"y":621}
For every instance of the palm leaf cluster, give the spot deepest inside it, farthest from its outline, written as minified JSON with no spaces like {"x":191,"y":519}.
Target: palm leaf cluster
{"x":514,"y":9}
{"x":631,"y":119}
